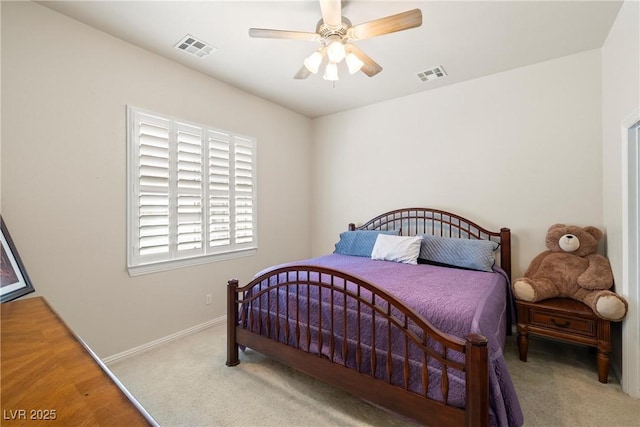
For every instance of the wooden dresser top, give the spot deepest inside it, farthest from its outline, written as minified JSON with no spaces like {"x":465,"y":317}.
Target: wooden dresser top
{"x":49,"y":374}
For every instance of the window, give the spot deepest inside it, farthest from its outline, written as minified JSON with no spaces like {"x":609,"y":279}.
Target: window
{"x":191,"y":193}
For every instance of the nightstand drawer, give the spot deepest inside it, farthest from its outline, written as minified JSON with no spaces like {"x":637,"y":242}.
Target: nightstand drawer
{"x":558,"y":322}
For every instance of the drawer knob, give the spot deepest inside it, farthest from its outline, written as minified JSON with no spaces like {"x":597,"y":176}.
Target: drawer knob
{"x":561,"y":325}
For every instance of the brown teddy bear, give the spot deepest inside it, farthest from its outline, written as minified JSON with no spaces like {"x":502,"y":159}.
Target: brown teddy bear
{"x":571,"y":268}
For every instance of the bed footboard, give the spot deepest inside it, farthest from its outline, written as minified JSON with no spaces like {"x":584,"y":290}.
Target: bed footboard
{"x":345,"y":331}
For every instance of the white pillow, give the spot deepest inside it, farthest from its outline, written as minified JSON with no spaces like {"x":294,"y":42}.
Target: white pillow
{"x":403,"y":249}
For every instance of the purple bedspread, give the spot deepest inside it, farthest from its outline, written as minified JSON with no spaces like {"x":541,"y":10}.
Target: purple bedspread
{"x":455,"y":301}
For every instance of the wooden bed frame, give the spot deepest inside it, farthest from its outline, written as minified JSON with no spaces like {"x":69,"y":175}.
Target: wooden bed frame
{"x":303,"y":357}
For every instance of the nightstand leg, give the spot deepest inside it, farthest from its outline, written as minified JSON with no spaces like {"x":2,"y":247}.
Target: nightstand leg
{"x":523,"y":342}
{"x":603,"y":366}
{"x":604,"y":349}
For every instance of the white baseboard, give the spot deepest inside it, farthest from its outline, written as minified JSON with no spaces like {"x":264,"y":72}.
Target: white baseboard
{"x":159,"y":342}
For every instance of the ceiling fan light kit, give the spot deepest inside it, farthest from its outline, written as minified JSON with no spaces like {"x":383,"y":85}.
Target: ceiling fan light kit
{"x":331,"y":72}
{"x":336,"y":51}
{"x":354,"y":64}
{"x":313,"y":62}
{"x":334,"y":32}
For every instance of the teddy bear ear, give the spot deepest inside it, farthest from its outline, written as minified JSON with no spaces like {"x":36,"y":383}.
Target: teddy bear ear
{"x":554,"y":226}
{"x":595,"y":232}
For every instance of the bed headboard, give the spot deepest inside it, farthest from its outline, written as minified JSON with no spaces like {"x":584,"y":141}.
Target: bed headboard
{"x":413,"y":221}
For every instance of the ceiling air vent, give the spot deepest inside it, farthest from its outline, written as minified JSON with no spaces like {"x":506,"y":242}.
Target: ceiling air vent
{"x":432,"y":73}
{"x":194,"y":46}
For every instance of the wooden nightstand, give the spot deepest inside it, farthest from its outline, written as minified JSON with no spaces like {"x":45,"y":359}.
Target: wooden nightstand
{"x":568,"y":320}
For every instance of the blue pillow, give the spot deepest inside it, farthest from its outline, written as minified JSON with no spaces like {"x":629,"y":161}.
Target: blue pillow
{"x":359,"y":242}
{"x":464,"y":253}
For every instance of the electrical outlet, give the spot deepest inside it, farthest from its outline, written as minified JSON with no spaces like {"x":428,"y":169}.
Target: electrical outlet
{"x":208,"y":299}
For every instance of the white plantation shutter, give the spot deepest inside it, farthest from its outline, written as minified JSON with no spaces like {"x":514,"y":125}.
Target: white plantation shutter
{"x":219,"y":190}
{"x":189,"y":189}
{"x":191,"y":193}
{"x":244,"y":190}
{"x":153,"y":186}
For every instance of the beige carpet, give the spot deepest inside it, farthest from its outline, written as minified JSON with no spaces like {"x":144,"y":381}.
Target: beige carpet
{"x":186,"y":383}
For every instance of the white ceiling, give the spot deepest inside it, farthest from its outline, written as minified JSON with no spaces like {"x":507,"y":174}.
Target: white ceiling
{"x":469,"y":39}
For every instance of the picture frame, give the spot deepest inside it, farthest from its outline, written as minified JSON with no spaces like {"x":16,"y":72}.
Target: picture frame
{"x":14,"y":281}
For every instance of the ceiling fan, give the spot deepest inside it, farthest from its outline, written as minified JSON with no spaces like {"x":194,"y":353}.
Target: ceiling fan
{"x":335,"y":34}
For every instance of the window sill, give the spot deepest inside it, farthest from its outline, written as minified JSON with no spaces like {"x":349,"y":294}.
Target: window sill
{"x":156,"y":267}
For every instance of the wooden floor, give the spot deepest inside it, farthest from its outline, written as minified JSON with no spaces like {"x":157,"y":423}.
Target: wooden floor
{"x":49,"y":376}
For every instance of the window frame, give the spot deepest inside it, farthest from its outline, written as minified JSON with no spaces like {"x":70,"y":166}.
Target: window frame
{"x":138,"y":264}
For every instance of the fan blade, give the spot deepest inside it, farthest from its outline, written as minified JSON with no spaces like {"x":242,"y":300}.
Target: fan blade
{"x":389,"y":24}
{"x":370,"y":67}
{"x":331,"y":12}
{"x":282,"y":34}
{"x":302,"y":73}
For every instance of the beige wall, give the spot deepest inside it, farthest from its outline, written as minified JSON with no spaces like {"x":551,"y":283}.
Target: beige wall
{"x":621,"y":98}
{"x":520,"y":149}
{"x":524,"y":149}
{"x":64,"y":91}
{"x":0,"y":114}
